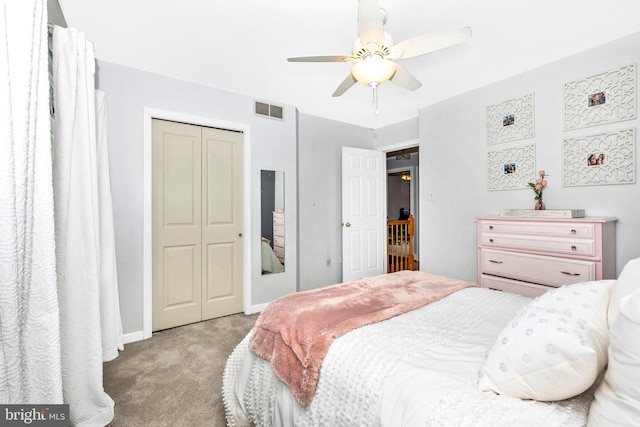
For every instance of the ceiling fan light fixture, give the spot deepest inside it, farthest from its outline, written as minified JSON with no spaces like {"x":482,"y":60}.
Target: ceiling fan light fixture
{"x":373,"y":70}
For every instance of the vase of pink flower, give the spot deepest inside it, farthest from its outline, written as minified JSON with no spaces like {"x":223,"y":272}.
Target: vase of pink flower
{"x":538,"y":187}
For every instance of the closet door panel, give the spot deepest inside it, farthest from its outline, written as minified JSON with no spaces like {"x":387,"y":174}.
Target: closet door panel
{"x":177,"y":224}
{"x":222,"y":209}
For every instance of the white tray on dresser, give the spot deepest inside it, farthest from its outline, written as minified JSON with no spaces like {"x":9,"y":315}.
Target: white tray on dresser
{"x":529,"y":256}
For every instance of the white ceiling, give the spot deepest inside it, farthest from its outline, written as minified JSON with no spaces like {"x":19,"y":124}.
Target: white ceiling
{"x":242,"y":45}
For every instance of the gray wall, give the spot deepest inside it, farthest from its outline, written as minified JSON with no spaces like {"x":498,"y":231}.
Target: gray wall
{"x":272,"y":146}
{"x":406,"y":130}
{"x":453,"y":152}
{"x":54,"y":14}
{"x":320,"y":189}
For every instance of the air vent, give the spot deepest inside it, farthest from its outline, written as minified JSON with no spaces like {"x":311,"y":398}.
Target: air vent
{"x":268,"y":110}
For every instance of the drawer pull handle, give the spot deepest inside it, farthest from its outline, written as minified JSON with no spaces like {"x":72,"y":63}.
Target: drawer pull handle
{"x":491,"y":227}
{"x":573,"y":231}
{"x":495,"y":262}
{"x":569,"y":274}
{"x":490,"y":240}
{"x":573,"y":248}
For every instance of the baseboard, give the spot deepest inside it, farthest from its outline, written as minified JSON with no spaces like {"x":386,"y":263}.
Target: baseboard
{"x":132,"y":337}
{"x":139,"y":335}
{"x":256,"y":308}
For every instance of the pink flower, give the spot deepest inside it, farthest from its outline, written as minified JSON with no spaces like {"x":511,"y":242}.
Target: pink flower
{"x":539,"y":185}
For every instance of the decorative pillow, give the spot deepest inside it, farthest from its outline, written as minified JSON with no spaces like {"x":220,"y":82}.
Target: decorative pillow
{"x":617,"y":399}
{"x":585,"y":300}
{"x":628,"y":282}
{"x":555,"y":347}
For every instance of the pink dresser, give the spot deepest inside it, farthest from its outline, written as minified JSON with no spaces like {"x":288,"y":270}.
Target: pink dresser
{"x":528,"y":256}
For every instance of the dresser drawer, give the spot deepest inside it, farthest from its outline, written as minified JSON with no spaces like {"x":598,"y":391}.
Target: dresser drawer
{"x":278,"y":217}
{"x":515,"y":287}
{"x":278,"y":230}
{"x":541,"y":243}
{"x":554,"y":229}
{"x":278,"y":241}
{"x":538,"y":269}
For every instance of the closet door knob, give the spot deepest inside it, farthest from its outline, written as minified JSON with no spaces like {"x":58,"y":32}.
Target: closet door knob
{"x":348,"y":224}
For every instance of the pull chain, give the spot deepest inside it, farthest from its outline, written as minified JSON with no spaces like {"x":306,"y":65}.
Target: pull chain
{"x":374,"y":85}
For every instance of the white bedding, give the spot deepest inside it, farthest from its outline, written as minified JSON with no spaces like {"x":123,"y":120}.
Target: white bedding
{"x":270,"y":262}
{"x":417,"y":369}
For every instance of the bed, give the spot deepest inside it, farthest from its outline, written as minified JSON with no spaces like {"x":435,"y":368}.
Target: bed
{"x":447,"y":363}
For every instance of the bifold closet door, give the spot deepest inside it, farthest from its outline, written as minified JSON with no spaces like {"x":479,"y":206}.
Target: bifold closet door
{"x":222,"y":216}
{"x":197,"y":219}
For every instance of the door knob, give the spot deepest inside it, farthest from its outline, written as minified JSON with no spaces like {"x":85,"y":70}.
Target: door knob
{"x":348,"y":224}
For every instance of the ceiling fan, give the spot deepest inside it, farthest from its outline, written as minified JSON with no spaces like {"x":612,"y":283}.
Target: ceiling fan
{"x":375,"y":52}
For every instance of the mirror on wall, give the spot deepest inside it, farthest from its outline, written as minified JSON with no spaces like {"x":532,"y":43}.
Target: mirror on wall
{"x":272,"y":221}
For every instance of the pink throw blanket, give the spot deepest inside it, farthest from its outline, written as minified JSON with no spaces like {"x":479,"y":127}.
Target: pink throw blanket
{"x":294,"y":332}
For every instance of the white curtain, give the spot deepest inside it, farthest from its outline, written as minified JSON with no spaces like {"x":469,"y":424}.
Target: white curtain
{"x":29,"y":331}
{"x":110,"y":320}
{"x":90,"y":328}
{"x":59,"y":306}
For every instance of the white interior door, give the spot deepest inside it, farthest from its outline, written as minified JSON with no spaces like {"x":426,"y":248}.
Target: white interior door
{"x":363,"y":213}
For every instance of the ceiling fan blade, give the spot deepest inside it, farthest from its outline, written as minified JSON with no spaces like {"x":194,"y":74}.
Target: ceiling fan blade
{"x":403,"y":78}
{"x":429,"y":43}
{"x":345,"y":85}
{"x":329,"y":58}
{"x":370,"y":25}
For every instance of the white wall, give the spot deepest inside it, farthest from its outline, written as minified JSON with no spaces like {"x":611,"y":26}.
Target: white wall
{"x":271,"y":145}
{"x":453,"y":152}
{"x":320,"y":188}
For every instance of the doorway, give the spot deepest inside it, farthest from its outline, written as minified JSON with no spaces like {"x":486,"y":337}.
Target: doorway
{"x":402,"y":189}
{"x":197,"y":223}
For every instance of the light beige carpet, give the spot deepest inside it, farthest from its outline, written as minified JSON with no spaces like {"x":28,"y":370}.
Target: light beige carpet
{"x":175,"y":378}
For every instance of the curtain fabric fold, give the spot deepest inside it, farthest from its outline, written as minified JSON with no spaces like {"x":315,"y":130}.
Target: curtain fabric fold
{"x":77,"y":184}
{"x":110,"y":320}
{"x":59,"y":305}
{"x":30,"y":368}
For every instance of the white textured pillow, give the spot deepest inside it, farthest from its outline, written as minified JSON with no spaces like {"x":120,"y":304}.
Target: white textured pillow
{"x":588,"y":301}
{"x":628,"y":282}
{"x":617,"y":399}
{"x":555,"y":347}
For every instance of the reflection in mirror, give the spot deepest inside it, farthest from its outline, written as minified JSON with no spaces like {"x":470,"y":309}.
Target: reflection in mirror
{"x":272,"y":221}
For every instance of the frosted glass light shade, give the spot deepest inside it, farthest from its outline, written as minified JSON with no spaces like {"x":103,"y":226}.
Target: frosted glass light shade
{"x":373,"y":70}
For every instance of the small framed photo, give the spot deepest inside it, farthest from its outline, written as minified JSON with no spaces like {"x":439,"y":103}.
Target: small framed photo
{"x":595,"y":159}
{"x":508,"y":120}
{"x":509,"y":168}
{"x":596,"y":99}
